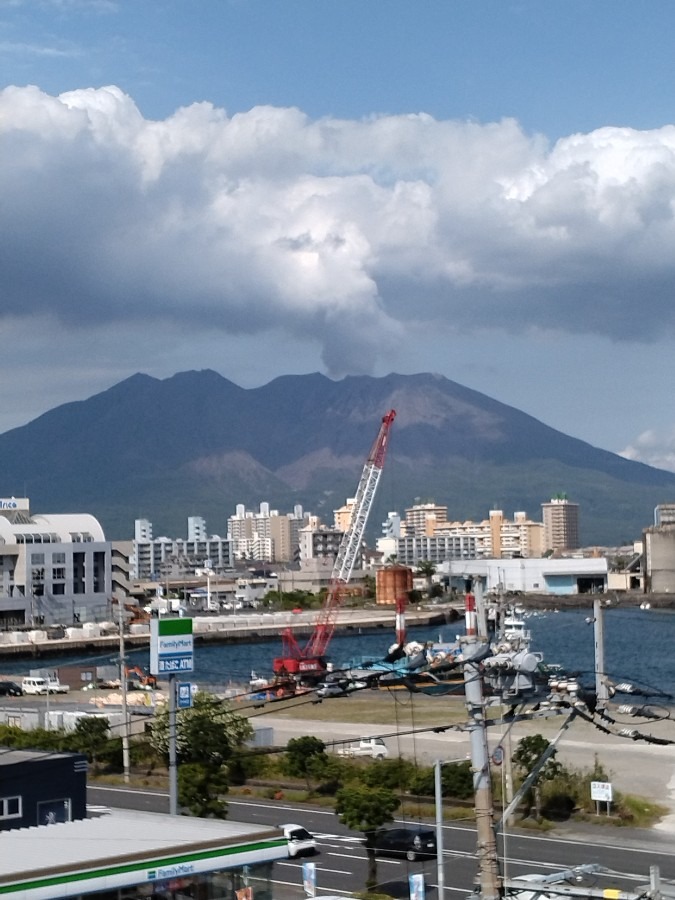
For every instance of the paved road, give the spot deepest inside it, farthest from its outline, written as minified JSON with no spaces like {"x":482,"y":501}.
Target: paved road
{"x":341,"y":862}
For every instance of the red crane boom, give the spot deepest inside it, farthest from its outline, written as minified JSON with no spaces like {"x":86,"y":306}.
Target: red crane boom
{"x":310,"y":659}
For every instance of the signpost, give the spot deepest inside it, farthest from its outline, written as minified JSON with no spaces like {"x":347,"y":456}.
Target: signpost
{"x":601,"y":792}
{"x":171,"y":646}
{"x":171,"y":653}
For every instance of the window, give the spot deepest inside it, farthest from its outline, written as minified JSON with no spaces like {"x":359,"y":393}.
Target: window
{"x":37,"y":559}
{"x":10,"y":808}
{"x":58,"y":559}
{"x":58,"y":573}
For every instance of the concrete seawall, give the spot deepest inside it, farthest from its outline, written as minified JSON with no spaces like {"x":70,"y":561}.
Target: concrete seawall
{"x":230,"y":629}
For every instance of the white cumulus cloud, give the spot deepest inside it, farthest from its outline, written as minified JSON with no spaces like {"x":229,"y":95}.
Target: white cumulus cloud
{"x":345,"y":234}
{"x":654,"y":447}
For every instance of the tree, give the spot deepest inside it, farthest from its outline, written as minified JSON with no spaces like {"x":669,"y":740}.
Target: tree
{"x":207,"y":736}
{"x":366,"y":809}
{"x":369,"y":587}
{"x":529,"y":751}
{"x":90,"y":737}
{"x":208,"y":733}
{"x":427,"y":570}
{"x":305,"y":757}
{"x":200,"y":788}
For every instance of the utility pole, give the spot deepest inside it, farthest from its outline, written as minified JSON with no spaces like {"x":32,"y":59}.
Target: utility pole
{"x":123,"y":689}
{"x":473,"y":651}
{"x":601,"y":690}
{"x":438,"y":791}
{"x":173,"y":767}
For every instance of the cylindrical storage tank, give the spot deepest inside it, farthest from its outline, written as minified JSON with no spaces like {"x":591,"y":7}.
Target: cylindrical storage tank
{"x":391,"y":583}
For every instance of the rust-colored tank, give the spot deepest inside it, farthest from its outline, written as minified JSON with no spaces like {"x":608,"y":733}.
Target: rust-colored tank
{"x":391,"y":583}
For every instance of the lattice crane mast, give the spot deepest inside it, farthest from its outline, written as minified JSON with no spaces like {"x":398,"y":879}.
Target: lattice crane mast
{"x":310,"y":659}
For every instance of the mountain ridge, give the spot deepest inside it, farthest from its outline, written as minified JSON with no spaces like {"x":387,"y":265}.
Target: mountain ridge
{"x":197,"y":444}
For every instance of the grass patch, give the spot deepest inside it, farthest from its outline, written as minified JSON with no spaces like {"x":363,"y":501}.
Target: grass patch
{"x":378,"y":708}
{"x":528,"y":824}
{"x":628,"y":810}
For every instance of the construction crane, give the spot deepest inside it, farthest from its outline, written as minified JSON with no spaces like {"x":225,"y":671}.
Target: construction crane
{"x":310,"y":660}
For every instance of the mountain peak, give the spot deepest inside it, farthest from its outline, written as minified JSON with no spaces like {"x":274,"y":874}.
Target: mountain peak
{"x":197,"y":444}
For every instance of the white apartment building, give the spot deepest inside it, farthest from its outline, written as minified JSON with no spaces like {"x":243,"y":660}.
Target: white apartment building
{"x":157,"y":558}
{"x":318,"y":542}
{"x":413,"y":549}
{"x":265,"y":535}
{"x":54,"y":569}
{"x":494,"y":537}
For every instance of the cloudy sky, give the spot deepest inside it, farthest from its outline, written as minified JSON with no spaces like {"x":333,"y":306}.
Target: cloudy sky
{"x":479,"y":188}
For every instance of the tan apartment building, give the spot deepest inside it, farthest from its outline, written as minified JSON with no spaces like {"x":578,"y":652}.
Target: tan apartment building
{"x":425,"y":519}
{"x":561,"y":524}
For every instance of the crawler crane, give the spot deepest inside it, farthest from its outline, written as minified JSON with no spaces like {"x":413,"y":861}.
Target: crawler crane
{"x":309,"y":661}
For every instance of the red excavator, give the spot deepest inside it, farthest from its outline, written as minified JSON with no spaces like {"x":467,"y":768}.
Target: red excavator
{"x":140,"y":678}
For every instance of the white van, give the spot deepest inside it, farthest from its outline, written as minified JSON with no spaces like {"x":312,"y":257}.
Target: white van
{"x":32,"y":685}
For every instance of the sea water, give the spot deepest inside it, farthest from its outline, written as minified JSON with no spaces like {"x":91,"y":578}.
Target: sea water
{"x":639,"y":647}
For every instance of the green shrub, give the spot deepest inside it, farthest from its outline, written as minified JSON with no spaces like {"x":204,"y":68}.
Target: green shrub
{"x":456,"y":781}
{"x":393,"y":774}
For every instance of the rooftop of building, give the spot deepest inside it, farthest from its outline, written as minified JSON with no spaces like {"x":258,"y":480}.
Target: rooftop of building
{"x":115,"y":835}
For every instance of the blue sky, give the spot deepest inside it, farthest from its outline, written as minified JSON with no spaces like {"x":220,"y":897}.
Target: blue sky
{"x":480,"y":189}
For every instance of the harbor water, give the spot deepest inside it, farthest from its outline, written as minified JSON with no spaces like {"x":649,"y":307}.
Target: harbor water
{"x":638,"y":648}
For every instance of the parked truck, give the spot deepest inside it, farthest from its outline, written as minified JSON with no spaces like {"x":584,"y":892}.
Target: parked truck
{"x":373,"y":747}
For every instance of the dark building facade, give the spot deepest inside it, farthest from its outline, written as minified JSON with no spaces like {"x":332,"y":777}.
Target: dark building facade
{"x":40,"y":788}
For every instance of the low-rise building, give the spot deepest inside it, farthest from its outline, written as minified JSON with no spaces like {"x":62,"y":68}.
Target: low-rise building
{"x":173,"y":857}
{"x":571,"y":575}
{"x":659,"y":559}
{"x":54,"y":569}
{"x":41,"y":789}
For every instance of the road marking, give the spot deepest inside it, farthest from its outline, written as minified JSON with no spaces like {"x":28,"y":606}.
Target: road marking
{"x":121,"y":790}
{"x":318,"y":868}
{"x":347,"y":838}
{"x":299,"y":809}
{"x":448,"y":888}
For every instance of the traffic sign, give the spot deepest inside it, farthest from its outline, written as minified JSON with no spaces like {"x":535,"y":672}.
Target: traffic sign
{"x":184,"y":694}
{"x":498,"y":755}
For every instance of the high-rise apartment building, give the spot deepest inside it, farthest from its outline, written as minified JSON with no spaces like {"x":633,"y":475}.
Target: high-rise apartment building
{"x":425,"y":519}
{"x":265,"y":535}
{"x":561,"y":524}
{"x":342,"y":518}
{"x":153,"y":558}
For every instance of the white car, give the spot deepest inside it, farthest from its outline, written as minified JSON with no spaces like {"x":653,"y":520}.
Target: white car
{"x":331,"y":689}
{"x":300,"y":841}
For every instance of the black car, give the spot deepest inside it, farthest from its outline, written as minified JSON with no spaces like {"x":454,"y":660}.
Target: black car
{"x":10,"y":689}
{"x":412,"y":842}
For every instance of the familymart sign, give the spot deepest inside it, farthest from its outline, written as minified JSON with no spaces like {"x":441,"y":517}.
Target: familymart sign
{"x":171,"y":646}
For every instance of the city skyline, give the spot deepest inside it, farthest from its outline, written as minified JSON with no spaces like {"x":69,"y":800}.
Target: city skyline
{"x":482,"y":190}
